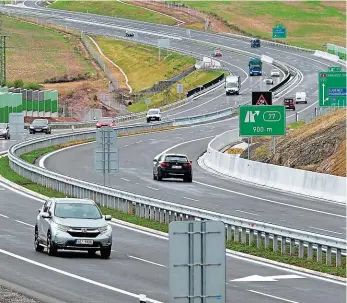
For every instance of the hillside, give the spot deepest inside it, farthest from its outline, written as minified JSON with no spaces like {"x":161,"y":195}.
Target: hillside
{"x":319,"y":146}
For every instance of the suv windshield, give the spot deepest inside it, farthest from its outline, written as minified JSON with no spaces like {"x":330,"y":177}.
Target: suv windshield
{"x":77,"y":211}
{"x":3,"y":125}
{"x":153,"y":111}
{"x":39,"y":122}
{"x":181,"y":159}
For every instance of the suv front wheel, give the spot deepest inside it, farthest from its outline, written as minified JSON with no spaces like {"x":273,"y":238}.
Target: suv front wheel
{"x":51,"y":249}
{"x":105,"y":253}
{"x":37,"y":245}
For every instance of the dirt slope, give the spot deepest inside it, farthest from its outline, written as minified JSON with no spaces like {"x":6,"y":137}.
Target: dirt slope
{"x":319,"y":146}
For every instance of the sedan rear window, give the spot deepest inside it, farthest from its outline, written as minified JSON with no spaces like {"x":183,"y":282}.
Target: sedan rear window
{"x":181,"y":159}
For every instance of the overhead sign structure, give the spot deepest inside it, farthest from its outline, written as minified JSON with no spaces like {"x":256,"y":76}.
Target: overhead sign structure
{"x":106,"y":156}
{"x":197,"y":265}
{"x":332,"y":89}
{"x":335,"y":69}
{"x":264,"y":120}
{"x":279,"y":32}
{"x":262,"y":98}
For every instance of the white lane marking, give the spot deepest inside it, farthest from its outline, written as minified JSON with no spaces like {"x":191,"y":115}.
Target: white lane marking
{"x":190,"y":199}
{"x":125,"y":179}
{"x":334,"y":232}
{"x":152,"y":187}
{"x":271,"y":296}
{"x":245,"y":259}
{"x":65,"y":273}
{"x":246,"y":212}
{"x":21,"y":222}
{"x":257,"y":278}
{"x":146,"y":261}
{"x":270,"y":201}
{"x":22,"y":193}
{"x":1,"y":215}
{"x":138,"y":142}
{"x":126,"y":145}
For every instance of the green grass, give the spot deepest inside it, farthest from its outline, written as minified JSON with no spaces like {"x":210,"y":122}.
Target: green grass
{"x":309,"y":23}
{"x":170,"y":95}
{"x":52,"y":54}
{"x":114,"y":8}
{"x":7,"y":173}
{"x":140,"y":62}
{"x":296,"y":125}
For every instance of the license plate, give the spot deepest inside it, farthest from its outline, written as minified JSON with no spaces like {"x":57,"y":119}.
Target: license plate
{"x":38,"y":128}
{"x":88,"y":242}
{"x":176,"y":166}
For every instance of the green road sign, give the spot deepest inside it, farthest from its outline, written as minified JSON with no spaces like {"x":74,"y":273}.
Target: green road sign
{"x":279,"y":31}
{"x":265,"y":120}
{"x":334,"y":69}
{"x":332,"y":89}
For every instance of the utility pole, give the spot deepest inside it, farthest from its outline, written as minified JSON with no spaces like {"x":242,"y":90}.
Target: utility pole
{"x":3,"y":76}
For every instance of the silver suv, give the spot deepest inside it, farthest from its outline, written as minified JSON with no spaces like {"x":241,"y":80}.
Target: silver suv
{"x":73,"y":224}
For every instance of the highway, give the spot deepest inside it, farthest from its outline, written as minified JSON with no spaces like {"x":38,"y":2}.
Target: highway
{"x":138,"y":264}
{"x":129,"y":272}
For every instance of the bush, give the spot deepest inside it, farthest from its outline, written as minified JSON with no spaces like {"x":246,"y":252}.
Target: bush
{"x":18,"y":83}
{"x":32,"y":85}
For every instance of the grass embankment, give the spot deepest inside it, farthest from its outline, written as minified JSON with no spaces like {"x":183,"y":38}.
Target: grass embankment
{"x":36,"y":54}
{"x":114,"y":8}
{"x":309,"y":23}
{"x":9,"y":174}
{"x":170,"y":95}
{"x":140,"y":62}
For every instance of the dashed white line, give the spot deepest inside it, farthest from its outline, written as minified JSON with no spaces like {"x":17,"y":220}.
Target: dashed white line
{"x":125,"y":179}
{"x":191,"y":199}
{"x":152,"y":187}
{"x":246,"y":212}
{"x":21,"y":222}
{"x":126,"y":145}
{"x":138,"y":141}
{"x":334,"y":232}
{"x":146,"y":261}
{"x":4,"y":216}
{"x":271,"y":296}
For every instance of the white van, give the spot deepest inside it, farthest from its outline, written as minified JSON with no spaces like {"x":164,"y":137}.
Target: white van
{"x":300,"y":97}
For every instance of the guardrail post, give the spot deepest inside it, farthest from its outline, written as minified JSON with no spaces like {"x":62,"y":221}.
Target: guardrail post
{"x":229,"y":232}
{"x":259,"y":239}
{"x":236,"y":234}
{"x":267,"y":240}
{"x":243,"y":235}
{"x":275,"y":243}
{"x":338,"y":257}
{"x":251,"y":237}
{"x":161,"y":215}
{"x":167,"y":219}
{"x":319,"y":253}
{"x":292,"y":247}
{"x":301,"y":249}
{"x":309,"y":251}
{"x":157,"y":214}
{"x":283,"y":245}
{"x":328,"y":256}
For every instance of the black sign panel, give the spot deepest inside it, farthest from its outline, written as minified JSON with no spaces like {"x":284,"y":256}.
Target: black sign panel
{"x":262,"y":98}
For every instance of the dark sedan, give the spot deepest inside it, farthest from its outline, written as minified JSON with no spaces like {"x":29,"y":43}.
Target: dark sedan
{"x":40,"y":126}
{"x":172,"y":166}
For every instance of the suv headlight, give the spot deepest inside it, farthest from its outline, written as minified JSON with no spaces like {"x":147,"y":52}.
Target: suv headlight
{"x":63,"y":227}
{"x":103,"y":229}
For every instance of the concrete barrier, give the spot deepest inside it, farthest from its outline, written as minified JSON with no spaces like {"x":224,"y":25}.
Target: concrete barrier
{"x":327,"y":56}
{"x":306,"y":183}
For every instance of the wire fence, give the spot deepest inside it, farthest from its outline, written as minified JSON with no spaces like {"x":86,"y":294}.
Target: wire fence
{"x":318,"y":111}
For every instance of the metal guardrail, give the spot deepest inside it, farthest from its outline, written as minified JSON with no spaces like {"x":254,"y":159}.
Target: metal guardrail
{"x":237,"y":229}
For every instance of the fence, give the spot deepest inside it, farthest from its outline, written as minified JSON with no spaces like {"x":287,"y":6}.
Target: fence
{"x":248,"y":231}
{"x":336,"y":50}
{"x":98,"y":59}
{"x":32,"y":103}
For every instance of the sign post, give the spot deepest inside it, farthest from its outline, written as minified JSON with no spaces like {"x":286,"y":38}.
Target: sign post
{"x":279,"y":32}
{"x":197,"y":262}
{"x":147,"y":101}
{"x":106,"y":156}
{"x":332,"y":89}
{"x":179,"y":90}
{"x":163,"y":43}
{"x":258,"y":121}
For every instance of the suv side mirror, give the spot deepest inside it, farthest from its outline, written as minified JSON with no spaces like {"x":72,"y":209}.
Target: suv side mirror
{"x":190,"y":162}
{"x":39,"y":210}
{"x":108,"y":217}
{"x":46,"y":215}
{"x":155,"y":160}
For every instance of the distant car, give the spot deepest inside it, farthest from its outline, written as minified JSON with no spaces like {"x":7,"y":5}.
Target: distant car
{"x":275,"y":73}
{"x":172,"y":166}
{"x":106,"y":121}
{"x":269,"y":81}
{"x":129,"y":34}
{"x":289,"y":103}
{"x":72,"y":224}
{"x":217,"y":53}
{"x":300,"y":97}
{"x":5,"y":131}
{"x":153,"y":114}
{"x":40,"y":126}
{"x":255,"y":43}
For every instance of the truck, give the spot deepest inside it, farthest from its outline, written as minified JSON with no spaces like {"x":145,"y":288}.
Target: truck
{"x":255,"y":67}
{"x":232,"y":85}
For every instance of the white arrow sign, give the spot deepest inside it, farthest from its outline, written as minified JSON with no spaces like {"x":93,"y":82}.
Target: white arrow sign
{"x":256,"y":278}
